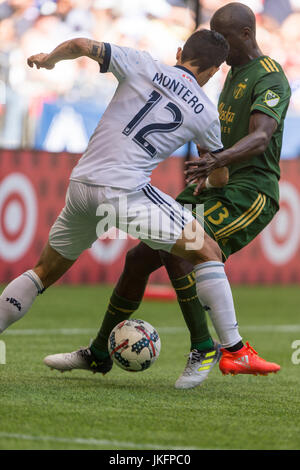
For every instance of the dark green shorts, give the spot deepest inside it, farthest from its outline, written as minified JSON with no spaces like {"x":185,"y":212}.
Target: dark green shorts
{"x":233,"y":216}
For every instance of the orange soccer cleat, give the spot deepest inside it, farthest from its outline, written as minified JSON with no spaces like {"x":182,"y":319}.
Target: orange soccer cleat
{"x":245,"y":361}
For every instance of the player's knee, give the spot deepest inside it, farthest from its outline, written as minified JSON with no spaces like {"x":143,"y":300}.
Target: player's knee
{"x":215,"y":250}
{"x":141,"y":261}
{"x":175,"y":265}
{"x":134,"y":263}
{"x":210,"y":252}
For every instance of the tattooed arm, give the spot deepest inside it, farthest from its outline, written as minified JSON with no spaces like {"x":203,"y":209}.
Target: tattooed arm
{"x":69,"y":50}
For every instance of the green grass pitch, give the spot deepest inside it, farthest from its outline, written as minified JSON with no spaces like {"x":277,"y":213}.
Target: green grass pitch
{"x":44,"y":409}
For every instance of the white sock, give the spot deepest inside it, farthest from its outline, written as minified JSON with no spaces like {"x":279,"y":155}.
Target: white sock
{"x":215,"y":295}
{"x":17,"y":298}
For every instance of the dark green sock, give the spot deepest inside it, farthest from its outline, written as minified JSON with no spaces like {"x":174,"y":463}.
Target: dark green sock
{"x":119,"y":309}
{"x":193,"y":312}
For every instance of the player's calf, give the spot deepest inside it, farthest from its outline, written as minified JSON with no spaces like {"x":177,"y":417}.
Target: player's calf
{"x":17,"y":298}
{"x":19,"y":295}
{"x":215,"y":295}
{"x":51,"y":266}
{"x":212,"y":285}
{"x":140,"y":262}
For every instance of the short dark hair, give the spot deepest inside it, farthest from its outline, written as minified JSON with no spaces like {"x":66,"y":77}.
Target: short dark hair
{"x":205,"y":49}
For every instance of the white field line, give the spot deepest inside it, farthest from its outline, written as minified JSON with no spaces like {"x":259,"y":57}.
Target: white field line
{"x":45,"y":331}
{"x":90,"y":442}
{"x":272,"y":328}
{"x":162,"y":330}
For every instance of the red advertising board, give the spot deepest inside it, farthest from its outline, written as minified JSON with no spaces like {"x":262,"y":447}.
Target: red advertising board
{"x":33,"y":185}
{"x":32,"y":192}
{"x":274,"y":256}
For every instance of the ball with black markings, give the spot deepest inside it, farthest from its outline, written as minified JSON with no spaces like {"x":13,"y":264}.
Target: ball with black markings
{"x":134,"y":345}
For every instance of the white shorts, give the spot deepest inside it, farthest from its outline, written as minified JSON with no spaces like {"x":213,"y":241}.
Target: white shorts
{"x":147,"y":214}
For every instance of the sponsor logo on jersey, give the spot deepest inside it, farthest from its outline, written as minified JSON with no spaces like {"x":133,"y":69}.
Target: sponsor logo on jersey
{"x":271,"y":98}
{"x":239,"y":91}
{"x":226,"y":115}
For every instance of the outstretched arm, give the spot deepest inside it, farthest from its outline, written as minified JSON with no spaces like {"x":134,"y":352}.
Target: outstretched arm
{"x":261,"y":129}
{"x":67,"y":50}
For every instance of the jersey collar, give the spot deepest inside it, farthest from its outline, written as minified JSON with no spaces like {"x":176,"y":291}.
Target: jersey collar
{"x":186,"y":70}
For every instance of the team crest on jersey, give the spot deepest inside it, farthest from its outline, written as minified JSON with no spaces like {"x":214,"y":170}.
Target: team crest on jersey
{"x":271,"y":98}
{"x":239,"y":91}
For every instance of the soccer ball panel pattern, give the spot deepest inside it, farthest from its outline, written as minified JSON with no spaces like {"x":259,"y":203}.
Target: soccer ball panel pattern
{"x":134,"y":345}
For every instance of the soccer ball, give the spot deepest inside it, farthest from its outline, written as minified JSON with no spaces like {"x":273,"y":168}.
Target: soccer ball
{"x":134,"y":345}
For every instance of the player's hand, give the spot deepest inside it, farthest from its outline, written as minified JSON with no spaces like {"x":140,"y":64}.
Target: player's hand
{"x":41,"y":61}
{"x":197,"y":171}
{"x":200,"y":185}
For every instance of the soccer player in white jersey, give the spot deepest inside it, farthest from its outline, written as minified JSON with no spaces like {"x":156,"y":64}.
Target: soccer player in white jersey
{"x":155,"y":110}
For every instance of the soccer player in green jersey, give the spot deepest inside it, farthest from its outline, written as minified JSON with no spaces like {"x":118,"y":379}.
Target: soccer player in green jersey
{"x":252,"y":108}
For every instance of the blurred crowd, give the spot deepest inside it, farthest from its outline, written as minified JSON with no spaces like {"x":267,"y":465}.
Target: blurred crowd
{"x":159,"y":26}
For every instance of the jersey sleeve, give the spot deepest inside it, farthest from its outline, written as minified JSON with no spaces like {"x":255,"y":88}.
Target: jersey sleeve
{"x":211,"y":138}
{"x":271,"y":96}
{"x":123,"y":61}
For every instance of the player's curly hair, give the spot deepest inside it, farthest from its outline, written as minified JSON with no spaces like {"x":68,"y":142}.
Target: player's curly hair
{"x":205,"y":49}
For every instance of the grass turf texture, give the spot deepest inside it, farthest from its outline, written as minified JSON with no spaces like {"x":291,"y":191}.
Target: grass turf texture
{"x":44,"y":409}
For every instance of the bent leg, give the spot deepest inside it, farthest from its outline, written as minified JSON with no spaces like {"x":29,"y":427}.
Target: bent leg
{"x":51,"y":266}
{"x":182,"y":277}
{"x":212,"y":285}
{"x":140,"y":262}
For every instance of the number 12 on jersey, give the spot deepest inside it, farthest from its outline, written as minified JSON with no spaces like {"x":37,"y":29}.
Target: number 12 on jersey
{"x":140,"y":137}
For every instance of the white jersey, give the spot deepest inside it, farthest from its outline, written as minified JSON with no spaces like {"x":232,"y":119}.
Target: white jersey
{"x":155,"y":110}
